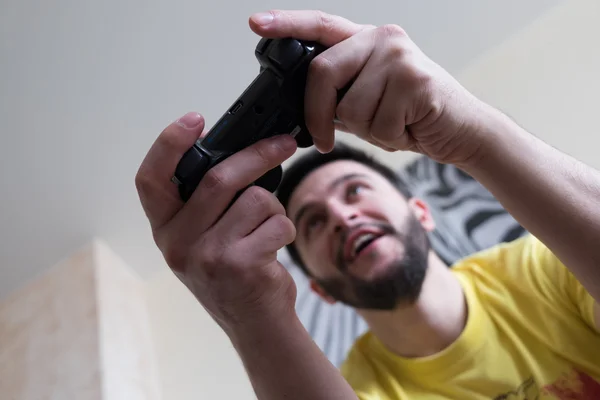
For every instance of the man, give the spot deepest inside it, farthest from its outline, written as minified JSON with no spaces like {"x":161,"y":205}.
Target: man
{"x":518,"y":321}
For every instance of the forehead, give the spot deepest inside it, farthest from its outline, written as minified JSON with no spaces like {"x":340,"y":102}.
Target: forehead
{"x":317,"y":183}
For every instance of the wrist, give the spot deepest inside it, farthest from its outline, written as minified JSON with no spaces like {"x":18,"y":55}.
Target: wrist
{"x":497,"y":137}
{"x":264,"y":331}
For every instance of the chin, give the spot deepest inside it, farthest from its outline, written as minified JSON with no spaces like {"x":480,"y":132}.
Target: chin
{"x":376,"y":262}
{"x":374,"y":272}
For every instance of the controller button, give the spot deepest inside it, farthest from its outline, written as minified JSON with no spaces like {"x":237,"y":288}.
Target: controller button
{"x":286,"y":54}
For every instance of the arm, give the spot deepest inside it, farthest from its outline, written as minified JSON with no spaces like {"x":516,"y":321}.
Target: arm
{"x":226,"y":254}
{"x":283,"y":362}
{"x":411,"y":103}
{"x":554,"y":196}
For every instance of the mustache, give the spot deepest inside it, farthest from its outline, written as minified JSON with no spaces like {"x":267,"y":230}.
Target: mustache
{"x":385,"y":228}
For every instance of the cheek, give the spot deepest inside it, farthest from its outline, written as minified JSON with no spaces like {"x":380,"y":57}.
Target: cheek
{"x":393,"y":248}
{"x":316,"y":256}
{"x":389,"y":208}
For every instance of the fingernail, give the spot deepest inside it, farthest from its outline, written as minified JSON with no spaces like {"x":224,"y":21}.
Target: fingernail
{"x":263,"y":18}
{"x":189,"y":120}
{"x":320,"y":146}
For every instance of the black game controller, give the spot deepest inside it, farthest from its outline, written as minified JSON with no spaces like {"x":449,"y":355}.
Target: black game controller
{"x":273,"y":104}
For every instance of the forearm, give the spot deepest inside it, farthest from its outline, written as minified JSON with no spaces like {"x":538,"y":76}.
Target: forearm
{"x":283,"y":362}
{"x":552,"y":195}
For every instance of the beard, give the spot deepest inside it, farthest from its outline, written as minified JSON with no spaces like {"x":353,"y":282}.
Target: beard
{"x":400,"y":284}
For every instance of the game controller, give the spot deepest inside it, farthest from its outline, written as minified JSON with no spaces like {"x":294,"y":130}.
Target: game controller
{"x":272,"y":104}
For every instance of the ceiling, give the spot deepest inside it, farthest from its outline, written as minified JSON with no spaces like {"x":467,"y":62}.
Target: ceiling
{"x":85,"y":87}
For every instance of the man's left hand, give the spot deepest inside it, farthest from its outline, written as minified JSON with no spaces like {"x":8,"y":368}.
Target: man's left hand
{"x":399,"y":100}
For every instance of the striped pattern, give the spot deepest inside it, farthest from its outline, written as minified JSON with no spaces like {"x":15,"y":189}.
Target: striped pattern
{"x":468,"y":219}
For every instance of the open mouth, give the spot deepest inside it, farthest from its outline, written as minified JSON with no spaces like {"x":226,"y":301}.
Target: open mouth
{"x":357,"y":244}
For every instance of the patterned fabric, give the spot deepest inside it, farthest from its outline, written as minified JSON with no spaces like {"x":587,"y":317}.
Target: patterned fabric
{"x":468,"y":219}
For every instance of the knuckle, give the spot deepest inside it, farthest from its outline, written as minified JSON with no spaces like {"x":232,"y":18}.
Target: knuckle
{"x":228,"y":261}
{"x":215,"y":178}
{"x":283,"y":229}
{"x":326,"y":21}
{"x":396,"y":53}
{"x":174,"y":254}
{"x":397,"y":45}
{"x":209,"y":255}
{"x":257,"y":197}
{"x":260,"y":198}
{"x":392,"y":31}
{"x":321,"y":68}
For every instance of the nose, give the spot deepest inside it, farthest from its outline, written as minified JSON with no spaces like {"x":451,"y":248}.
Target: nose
{"x":342,"y":214}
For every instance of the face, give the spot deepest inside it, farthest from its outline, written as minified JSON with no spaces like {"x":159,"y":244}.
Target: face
{"x":363,"y":242}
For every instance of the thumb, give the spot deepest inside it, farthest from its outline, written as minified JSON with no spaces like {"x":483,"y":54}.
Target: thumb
{"x":313,"y":25}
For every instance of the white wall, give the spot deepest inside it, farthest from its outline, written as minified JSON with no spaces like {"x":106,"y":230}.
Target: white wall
{"x":195,"y":358}
{"x":546,"y":78}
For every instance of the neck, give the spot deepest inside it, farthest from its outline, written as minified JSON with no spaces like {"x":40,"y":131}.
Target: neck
{"x":429,"y":325}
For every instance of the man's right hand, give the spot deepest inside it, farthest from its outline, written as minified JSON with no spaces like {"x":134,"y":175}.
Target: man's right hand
{"x":227,"y":257}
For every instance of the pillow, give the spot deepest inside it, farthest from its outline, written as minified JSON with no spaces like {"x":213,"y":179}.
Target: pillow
{"x":468,"y":219}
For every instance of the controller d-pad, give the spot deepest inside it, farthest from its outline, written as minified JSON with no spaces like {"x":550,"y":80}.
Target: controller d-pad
{"x":271,"y":180}
{"x":286,"y":54}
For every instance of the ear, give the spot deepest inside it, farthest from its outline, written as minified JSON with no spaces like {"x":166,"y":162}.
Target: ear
{"x":315,"y":287}
{"x":422,"y":213}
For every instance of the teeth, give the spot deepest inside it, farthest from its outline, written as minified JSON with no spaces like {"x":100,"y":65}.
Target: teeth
{"x":359,"y":241}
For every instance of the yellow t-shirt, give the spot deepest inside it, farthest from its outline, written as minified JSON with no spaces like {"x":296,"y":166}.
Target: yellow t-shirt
{"x":530,"y":334}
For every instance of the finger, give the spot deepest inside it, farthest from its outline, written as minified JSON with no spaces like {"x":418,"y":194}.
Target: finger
{"x":312,"y":25}
{"x":249,"y":211}
{"x":388,"y":128}
{"x":275,"y":233}
{"x":379,"y":144}
{"x":158,"y":195}
{"x":357,"y":108}
{"x":339,"y":126}
{"x":216,"y":190}
{"x":328,"y":73}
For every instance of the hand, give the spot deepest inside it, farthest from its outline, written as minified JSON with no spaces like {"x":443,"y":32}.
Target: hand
{"x":227,"y":257}
{"x":400,"y":99}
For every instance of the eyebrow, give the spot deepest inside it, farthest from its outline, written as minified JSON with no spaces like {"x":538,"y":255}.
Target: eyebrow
{"x":303,"y":210}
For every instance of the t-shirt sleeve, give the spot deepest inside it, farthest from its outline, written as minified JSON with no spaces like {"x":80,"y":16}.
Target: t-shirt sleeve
{"x":555,"y":279}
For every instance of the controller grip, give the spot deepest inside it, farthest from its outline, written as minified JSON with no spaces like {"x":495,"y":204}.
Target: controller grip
{"x":271,"y":180}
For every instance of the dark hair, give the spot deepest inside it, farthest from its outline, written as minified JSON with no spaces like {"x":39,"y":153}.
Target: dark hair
{"x":307,"y":163}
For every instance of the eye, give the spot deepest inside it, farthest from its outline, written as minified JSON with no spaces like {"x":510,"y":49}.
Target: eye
{"x":313,"y":222}
{"x":354,"y":189}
